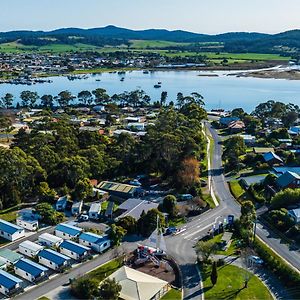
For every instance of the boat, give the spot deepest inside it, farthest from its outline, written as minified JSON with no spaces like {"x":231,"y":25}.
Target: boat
{"x":159,"y":83}
{"x":98,"y":79}
{"x":145,"y":72}
{"x":157,"y":86}
{"x":122,"y":79}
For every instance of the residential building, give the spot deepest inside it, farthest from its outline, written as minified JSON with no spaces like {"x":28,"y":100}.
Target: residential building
{"x":139,"y":286}
{"x":10,"y":231}
{"x":249,"y":140}
{"x":9,"y":284}
{"x":77,"y":208}
{"x":236,"y":126}
{"x":67,"y":231}
{"x":29,"y":224}
{"x":295,"y":214}
{"x":9,"y":256}
{"x":94,"y":211}
{"x":61,"y":203}
{"x":30,"y":270}
{"x":74,"y":250}
{"x":288,"y":180}
{"x":53,"y":259}
{"x":272,"y":159}
{"x":97,"y":242}
{"x":30,"y":249}
{"x":50,"y":240}
{"x":225,"y":121}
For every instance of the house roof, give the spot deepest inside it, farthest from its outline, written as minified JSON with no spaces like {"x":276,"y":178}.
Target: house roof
{"x":30,"y":267}
{"x":282,"y":170}
{"x":227,"y":120}
{"x":10,"y":255}
{"x":262,"y":150}
{"x":116,"y":187}
{"x":53,"y":256}
{"x":50,"y":237}
{"x":74,"y":247}
{"x":92,"y":237}
{"x":137,"y":285}
{"x":95,"y":207}
{"x":287,"y":178}
{"x":270,"y":156}
{"x":236,"y":125}
{"x":30,"y":245}
{"x":77,"y":204}
{"x":9,"y":227}
{"x":7,"y":280}
{"x":69,"y":229}
{"x":295,"y":212}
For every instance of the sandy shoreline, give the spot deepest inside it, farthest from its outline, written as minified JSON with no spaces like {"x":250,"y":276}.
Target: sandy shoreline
{"x":271,"y":74}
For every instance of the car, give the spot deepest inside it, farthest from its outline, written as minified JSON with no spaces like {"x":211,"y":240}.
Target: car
{"x":171,"y":230}
{"x":256,"y":260}
{"x":84,"y":217}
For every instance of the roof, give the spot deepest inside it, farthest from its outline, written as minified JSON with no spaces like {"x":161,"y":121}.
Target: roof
{"x":10,"y":255}
{"x":50,"y":237}
{"x":262,"y":150}
{"x":74,"y":247}
{"x":53,"y":256}
{"x":282,"y":170}
{"x":236,"y":125}
{"x":30,"y":245}
{"x":30,"y":267}
{"x":287,"y":178}
{"x":95,"y":207}
{"x":227,"y":120}
{"x":134,"y":207}
{"x":62,"y":200}
{"x":137,"y":285}
{"x":117,"y":187}
{"x":9,"y":227}
{"x":295,"y":212}
{"x":77,"y":204}
{"x":270,"y":156}
{"x":7,"y":280}
{"x":69,"y":229}
{"x":92,"y":237}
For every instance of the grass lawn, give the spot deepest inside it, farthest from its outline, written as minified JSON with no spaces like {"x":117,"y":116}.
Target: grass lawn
{"x":236,"y":189}
{"x":9,"y":214}
{"x":176,"y":222}
{"x":230,"y":285}
{"x":144,"y":44}
{"x":208,"y":199}
{"x":231,"y":249}
{"x":172,"y":294}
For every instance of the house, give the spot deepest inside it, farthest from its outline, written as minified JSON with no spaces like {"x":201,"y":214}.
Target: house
{"x":139,"y":286}
{"x":225,"y":121}
{"x":249,"y":140}
{"x":27,"y":223}
{"x":136,"y":126}
{"x":119,"y":190}
{"x":102,"y":195}
{"x":30,"y":249}
{"x":30,"y":270}
{"x":9,"y":256}
{"x":67,"y":231}
{"x":236,"y":126}
{"x":77,"y":208}
{"x":97,"y":242}
{"x":61,"y":203}
{"x":272,"y":159}
{"x":295,"y":214}
{"x":10,"y":231}
{"x":29,"y":213}
{"x":50,"y":240}
{"x":74,"y":250}
{"x":9,"y":284}
{"x":288,"y":180}
{"x":94,"y":211}
{"x":295,"y":130}
{"x":53,"y":260}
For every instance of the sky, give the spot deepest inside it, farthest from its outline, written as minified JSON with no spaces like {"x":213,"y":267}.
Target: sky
{"x":202,"y":16}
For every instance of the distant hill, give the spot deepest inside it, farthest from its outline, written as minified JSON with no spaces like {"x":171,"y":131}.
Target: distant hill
{"x":112,"y":35}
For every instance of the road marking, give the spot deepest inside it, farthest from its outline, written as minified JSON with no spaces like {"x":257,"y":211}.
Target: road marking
{"x":197,"y":231}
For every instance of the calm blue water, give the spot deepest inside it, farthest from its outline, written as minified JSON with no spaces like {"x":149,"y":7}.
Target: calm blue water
{"x":223,"y":91}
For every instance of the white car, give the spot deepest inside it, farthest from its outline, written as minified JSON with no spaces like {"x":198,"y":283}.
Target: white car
{"x":84,"y":218}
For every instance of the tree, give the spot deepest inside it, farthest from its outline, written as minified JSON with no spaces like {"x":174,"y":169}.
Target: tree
{"x":189,"y":173}
{"x":163,"y":98}
{"x":101,"y":96}
{"x":285,"y":198}
{"x":7,"y":100}
{"x":289,"y":118}
{"x":5,"y":122}
{"x":169,"y":205}
{"x":116,"y":234}
{"x":129,"y":223}
{"x":45,"y":193}
{"x":85,"y":97}
{"x":83,"y":189}
{"x":214,"y":274}
{"x":64,"y":98}
{"x":238,"y":112}
{"x":47,"y":101}
{"x":85,"y":288}
{"x":205,"y":249}
{"x":48,"y":214}
{"x":29,"y":98}
{"x":110,"y":289}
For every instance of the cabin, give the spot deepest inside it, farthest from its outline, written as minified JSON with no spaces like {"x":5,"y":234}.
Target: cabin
{"x":77,"y":208}
{"x":49,"y":240}
{"x":29,"y":224}
{"x":61,"y":203}
{"x":97,"y":242}
{"x":30,"y":270}
{"x":272,"y":159}
{"x":94,"y":211}
{"x":288,"y":180}
{"x":74,"y":250}
{"x":30,"y":249}
{"x":295,"y":215}
{"x":53,"y":260}
{"x":9,"y":257}
{"x":9,"y":284}
{"x":10,"y":231}
{"x":236,"y":126}
{"x":67,"y":231}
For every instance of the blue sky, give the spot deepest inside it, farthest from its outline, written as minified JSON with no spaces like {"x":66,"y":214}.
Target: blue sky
{"x":205,"y":16}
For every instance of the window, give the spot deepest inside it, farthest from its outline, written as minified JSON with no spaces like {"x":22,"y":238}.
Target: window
{"x":64,"y":234}
{"x":50,"y":262}
{"x":104,"y":244}
{"x":90,"y":244}
{"x":72,"y":253}
{"x":26,"y":274}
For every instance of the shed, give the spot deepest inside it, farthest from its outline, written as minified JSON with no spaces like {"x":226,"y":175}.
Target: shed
{"x":94,"y":211}
{"x":30,"y":270}
{"x":74,"y":250}
{"x":97,"y":242}
{"x":67,"y":231}
{"x":61,"y":203}
{"x":10,"y":231}
{"x":9,"y":256}
{"x":77,"y":208}
{"x":9,"y":284}
{"x":49,"y":240}
{"x":30,"y":249}
{"x":53,"y":259}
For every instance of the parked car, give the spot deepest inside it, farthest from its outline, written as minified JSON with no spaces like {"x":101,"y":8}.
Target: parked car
{"x":256,"y":260}
{"x":171,"y":230}
{"x":84,"y":217}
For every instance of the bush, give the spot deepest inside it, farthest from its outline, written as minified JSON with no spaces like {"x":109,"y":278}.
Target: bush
{"x":285,"y":198}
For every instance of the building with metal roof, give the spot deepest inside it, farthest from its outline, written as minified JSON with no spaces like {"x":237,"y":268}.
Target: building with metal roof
{"x":77,"y":208}
{"x":272,"y":158}
{"x":30,"y":270}
{"x":30,"y":249}
{"x":119,"y":189}
{"x":61,"y":203}
{"x":295,"y":214}
{"x":74,"y":250}
{"x":10,"y":231}
{"x":97,"y":242}
{"x":50,"y":240}
{"x":9,"y":256}
{"x":288,"y":180}
{"x":94,"y":211}
{"x":9,"y":284}
{"x":53,"y":259}
{"x":67,"y":231}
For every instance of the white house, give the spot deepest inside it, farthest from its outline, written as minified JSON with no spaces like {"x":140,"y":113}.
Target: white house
{"x":49,"y":240}
{"x":97,"y":242}
{"x":295,"y":214}
{"x":77,"y":208}
{"x":30,"y":249}
{"x":61,"y":203}
{"x":94,"y":211}
{"x":30,"y":270}
{"x":10,"y":231}
{"x":9,"y":284}
{"x":67,"y":231}
{"x":29,"y":224}
{"x":74,"y":250}
{"x":53,"y":260}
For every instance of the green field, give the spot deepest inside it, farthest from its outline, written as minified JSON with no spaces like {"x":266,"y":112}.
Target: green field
{"x":230,"y":285}
{"x":144,"y":44}
{"x":172,"y":294}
